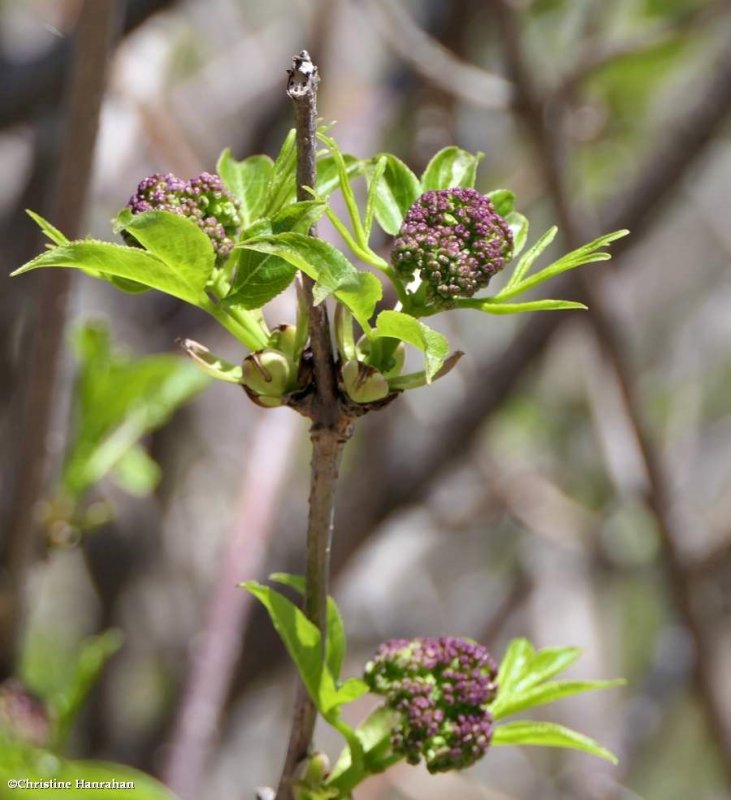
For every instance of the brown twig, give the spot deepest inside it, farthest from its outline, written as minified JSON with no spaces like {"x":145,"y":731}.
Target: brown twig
{"x":331,"y":426}
{"x":93,"y":45}
{"x":660,"y":494}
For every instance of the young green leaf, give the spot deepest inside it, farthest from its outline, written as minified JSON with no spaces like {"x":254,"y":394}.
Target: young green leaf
{"x":184,"y":281}
{"x":391,"y":194}
{"x":298,"y":217}
{"x":50,"y":231}
{"x":279,"y":189}
{"x":315,"y":257}
{"x":526,"y":262}
{"x":503,"y":200}
{"x":374,"y":734}
{"x":397,"y":325}
{"x":351,"y":690}
{"x":176,"y":240}
{"x":450,"y":167}
{"x":303,"y":642}
{"x":361,"y":300}
{"x":514,"y":666}
{"x":248,"y":181}
{"x":66,"y":704}
{"x":21,"y":760}
{"x":335,"y":644}
{"x":519,"y":228}
{"x":495,"y":305}
{"x":258,"y":279}
{"x":548,"y":663}
{"x":548,"y":734}
{"x":587,"y":254}
{"x":520,"y":700}
{"x":136,"y":472}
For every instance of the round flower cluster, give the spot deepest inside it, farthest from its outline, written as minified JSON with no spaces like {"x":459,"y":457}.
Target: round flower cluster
{"x":440,"y":688}
{"x":455,"y":240}
{"x":203,"y":199}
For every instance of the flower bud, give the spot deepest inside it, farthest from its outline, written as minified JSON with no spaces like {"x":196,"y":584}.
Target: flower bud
{"x":455,"y":241}
{"x":203,"y":199}
{"x":267,"y":375}
{"x":23,"y":717}
{"x":363,"y":384}
{"x":440,"y":689}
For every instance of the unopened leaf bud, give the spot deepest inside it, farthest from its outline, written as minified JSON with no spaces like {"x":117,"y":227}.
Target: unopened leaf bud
{"x":267,"y":375}
{"x":284,"y":339}
{"x":363,"y":384}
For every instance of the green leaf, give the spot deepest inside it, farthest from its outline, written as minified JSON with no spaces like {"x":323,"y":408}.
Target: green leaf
{"x":183,"y":282}
{"x":176,"y":240}
{"x":503,"y":200}
{"x":259,"y":278}
{"x":351,"y":690}
{"x":374,"y":734}
{"x":450,"y":167}
{"x":361,"y":300}
{"x":393,"y":193}
{"x":548,"y":734}
{"x":544,"y":693}
{"x":280,"y":186}
{"x":53,"y":233}
{"x":397,"y":325}
{"x":248,"y":181}
{"x":526,"y":262}
{"x":65,"y":705}
{"x":22,"y":761}
{"x":136,"y":472}
{"x":548,"y":663}
{"x":211,"y":364}
{"x":335,"y":645}
{"x":303,"y":642}
{"x":315,"y":257}
{"x":587,"y":254}
{"x":298,"y":217}
{"x":118,"y":400}
{"x":494,"y":305}
{"x":519,"y":228}
{"x":514,"y":665}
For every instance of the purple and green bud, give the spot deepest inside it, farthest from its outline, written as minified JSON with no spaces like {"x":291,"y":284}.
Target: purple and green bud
{"x":204,"y":199}
{"x":440,"y":689}
{"x":455,"y":241}
{"x":23,"y":717}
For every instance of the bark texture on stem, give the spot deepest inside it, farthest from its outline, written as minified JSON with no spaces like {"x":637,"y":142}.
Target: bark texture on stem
{"x":331,"y":424}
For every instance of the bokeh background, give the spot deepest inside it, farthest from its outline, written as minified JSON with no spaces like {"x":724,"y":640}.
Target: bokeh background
{"x":569,"y":482}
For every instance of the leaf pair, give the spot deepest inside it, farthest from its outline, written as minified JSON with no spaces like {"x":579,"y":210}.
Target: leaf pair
{"x":524,"y":681}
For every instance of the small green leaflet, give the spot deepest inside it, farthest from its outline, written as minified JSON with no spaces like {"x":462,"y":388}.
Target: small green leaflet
{"x":397,"y":325}
{"x":503,"y":200}
{"x":390,"y":194}
{"x":248,"y":181}
{"x":548,"y":734}
{"x":279,"y":189}
{"x":211,"y":364}
{"x":53,"y":233}
{"x":450,"y":167}
{"x":303,"y":642}
{"x":491,"y":305}
{"x":548,"y":693}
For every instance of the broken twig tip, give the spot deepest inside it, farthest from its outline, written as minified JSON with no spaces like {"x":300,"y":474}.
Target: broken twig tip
{"x":303,"y":76}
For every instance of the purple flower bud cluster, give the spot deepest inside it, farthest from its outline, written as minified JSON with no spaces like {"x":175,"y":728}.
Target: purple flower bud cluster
{"x":440,"y":689}
{"x":23,"y":717}
{"x":203,"y":199}
{"x":455,"y":241}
